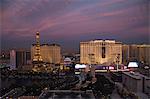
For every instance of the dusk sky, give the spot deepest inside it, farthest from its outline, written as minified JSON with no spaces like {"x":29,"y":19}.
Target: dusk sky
{"x":67,"y":22}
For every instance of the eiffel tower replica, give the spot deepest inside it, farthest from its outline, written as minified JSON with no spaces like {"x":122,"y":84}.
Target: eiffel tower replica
{"x":37,"y":59}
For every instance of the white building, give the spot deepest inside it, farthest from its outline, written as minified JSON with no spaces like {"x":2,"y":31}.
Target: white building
{"x":101,"y":52}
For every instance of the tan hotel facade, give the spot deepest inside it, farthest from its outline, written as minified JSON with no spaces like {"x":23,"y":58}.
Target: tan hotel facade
{"x":103,"y":52}
{"x":50,"y":53}
{"x":136,"y":52}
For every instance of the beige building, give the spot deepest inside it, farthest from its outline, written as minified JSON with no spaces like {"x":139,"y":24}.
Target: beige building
{"x":49,"y":53}
{"x":101,"y":52}
{"x":55,"y":51}
{"x":144,"y":54}
{"x":136,"y":53}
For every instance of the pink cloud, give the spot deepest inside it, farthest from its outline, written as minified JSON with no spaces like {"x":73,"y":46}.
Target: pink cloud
{"x":76,"y":19}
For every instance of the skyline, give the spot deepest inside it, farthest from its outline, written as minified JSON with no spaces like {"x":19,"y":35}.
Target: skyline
{"x":67,"y":22}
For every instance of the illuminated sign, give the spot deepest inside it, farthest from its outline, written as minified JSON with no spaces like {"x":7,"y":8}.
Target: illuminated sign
{"x":77,"y":66}
{"x":133,"y":64}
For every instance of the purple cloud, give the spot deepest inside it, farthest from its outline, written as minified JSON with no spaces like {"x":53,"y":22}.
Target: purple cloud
{"x":66,"y":20}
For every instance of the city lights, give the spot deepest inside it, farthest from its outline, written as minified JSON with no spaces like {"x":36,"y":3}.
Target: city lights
{"x":74,"y":49}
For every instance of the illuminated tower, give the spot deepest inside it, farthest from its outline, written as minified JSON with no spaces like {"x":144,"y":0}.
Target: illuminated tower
{"x":37,"y":56}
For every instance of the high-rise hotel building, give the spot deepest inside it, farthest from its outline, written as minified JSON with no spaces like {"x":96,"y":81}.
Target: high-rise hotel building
{"x":19,"y":58}
{"x":50,"y":53}
{"x":103,"y":52}
{"x":134,"y":52}
{"x":144,"y":54}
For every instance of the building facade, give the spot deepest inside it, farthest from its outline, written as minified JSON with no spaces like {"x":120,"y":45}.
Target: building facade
{"x":125,"y":54}
{"x":136,"y":82}
{"x":140,"y":53}
{"x":50,"y":53}
{"x":103,"y":52}
{"x":144,"y":54}
{"x":19,"y":58}
{"x":55,"y":50}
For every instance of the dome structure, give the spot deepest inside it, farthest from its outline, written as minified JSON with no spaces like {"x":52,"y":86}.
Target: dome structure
{"x":67,"y":59}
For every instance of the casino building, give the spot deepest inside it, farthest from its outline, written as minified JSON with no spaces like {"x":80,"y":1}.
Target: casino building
{"x":50,"y":53}
{"x":134,"y":52}
{"x":47,"y":53}
{"x":104,"y":52}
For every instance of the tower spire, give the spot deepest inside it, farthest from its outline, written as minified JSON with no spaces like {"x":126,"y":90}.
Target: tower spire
{"x":37,"y":55}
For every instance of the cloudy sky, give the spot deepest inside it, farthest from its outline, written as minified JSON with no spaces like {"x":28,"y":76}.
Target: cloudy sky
{"x":67,"y":22}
